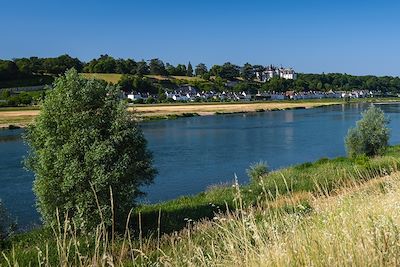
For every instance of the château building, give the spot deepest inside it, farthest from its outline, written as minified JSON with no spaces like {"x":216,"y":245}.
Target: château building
{"x":271,"y":71}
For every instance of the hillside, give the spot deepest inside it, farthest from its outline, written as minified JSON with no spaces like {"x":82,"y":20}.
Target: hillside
{"x":337,"y":212}
{"x":114,"y":78}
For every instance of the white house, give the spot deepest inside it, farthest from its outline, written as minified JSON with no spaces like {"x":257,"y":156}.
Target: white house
{"x":135,"y":96}
{"x":287,"y":73}
{"x":272,"y":71}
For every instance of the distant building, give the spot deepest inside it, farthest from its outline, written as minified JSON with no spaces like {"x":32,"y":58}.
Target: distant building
{"x":135,"y":96}
{"x":272,"y":71}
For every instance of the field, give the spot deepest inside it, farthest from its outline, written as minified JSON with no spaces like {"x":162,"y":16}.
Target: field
{"x":114,"y":78}
{"x":108,"y":77}
{"x":218,"y":108}
{"x":17,"y":116}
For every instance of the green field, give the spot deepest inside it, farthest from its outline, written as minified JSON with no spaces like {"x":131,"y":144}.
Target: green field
{"x":114,"y":78}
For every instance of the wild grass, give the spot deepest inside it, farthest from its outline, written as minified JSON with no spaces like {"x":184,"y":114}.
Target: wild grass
{"x":337,"y":212}
{"x":358,"y":225}
{"x":325,"y":175}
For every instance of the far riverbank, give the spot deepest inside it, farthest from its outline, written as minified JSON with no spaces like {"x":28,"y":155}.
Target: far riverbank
{"x":20,"y":117}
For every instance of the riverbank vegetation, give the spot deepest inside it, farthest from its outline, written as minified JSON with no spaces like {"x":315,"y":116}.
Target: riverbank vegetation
{"x":228,"y":224}
{"x":371,"y":135}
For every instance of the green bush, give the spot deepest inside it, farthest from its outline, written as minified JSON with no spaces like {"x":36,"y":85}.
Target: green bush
{"x":150,"y":100}
{"x":83,"y":145}
{"x":370,"y":137}
{"x":257,"y":171}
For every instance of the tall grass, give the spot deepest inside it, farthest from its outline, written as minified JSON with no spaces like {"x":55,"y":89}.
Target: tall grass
{"x":353,"y":221}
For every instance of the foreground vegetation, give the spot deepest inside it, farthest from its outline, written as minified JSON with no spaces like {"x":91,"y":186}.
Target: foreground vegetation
{"x":285,"y":218}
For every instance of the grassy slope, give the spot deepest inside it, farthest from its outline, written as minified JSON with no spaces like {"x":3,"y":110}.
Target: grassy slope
{"x":324,"y":175}
{"x":289,"y":191}
{"x":114,"y":78}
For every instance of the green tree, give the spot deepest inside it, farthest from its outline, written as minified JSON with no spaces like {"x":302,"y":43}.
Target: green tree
{"x":216,"y":70}
{"x":157,"y":67}
{"x":371,"y":135}
{"x":5,"y":94}
{"x":84,"y":144}
{"x":247,"y":72}
{"x":189,"y":71}
{"x":229,"y":71}
{"x":181,"y":70}
{"x":142,"y":68}
{"x":200,"y":70}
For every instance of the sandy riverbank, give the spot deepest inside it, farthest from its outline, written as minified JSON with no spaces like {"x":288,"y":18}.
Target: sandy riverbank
{"x":20,"y":117}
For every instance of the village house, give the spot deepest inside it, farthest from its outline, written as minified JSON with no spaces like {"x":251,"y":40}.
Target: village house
{"x":136,"y":96}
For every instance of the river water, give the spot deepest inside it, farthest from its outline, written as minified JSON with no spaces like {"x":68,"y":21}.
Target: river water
{"x":194,"y":153}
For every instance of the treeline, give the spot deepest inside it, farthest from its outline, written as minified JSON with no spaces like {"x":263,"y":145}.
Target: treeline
{"x":43,"y":70}
{"x":34,"y":70}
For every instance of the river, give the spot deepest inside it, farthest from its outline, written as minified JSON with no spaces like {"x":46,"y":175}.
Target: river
{"x":194,"y":153}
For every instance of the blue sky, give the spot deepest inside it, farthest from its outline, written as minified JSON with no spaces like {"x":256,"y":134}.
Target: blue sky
{"x":355,"y":37}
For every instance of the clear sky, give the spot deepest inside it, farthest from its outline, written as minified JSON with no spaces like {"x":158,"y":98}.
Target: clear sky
{"x":356,"y":37}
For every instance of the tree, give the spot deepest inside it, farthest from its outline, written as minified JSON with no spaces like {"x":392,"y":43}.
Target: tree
{"x":371,"y":135}
{"x":83,"y":145}
{"x":142,"y":68}
{"x":157,"y":67}
{"x":8,"y":70}
{"x":229,"y":71}
{"x":104,"y":64}
{"x":171,"y":70}
{"x":216,"y":70}
{"x":200,"y":70}
{"x":247,"y":72}
{"x":181,"y":70}
{"x":189,"y":70}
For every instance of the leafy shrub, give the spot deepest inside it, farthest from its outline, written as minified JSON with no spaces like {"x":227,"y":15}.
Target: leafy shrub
{"x":84,"y":144}
{"x":370,"y":137}
{"x":150,"y":100}
{"x":139,"y":101}
{"x":362,"y":160}
{"x":257,"y":171}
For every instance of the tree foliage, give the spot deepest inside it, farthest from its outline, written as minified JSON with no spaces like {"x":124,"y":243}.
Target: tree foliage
{"x":84,"y":144}
{"x":247,"y":72}
{"x":189,"y":71}
{"x":140,"y":84}
{"x":200,"y":70}
{"x":157,"y":67}
{"x":371,"y":135}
